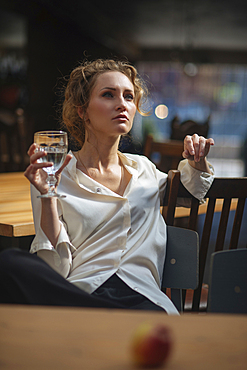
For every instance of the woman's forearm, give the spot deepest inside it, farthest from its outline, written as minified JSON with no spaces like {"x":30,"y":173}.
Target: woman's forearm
{"x":49,"y":219}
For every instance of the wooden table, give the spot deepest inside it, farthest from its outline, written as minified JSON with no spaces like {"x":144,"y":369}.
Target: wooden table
{"x":87,"y":339}
{"x":16,"y":218}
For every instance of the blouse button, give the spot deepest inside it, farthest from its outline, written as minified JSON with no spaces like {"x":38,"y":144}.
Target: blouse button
{"x":98,"y":190}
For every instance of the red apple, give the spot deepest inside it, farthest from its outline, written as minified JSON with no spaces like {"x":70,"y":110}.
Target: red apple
{"x":151,"y":345}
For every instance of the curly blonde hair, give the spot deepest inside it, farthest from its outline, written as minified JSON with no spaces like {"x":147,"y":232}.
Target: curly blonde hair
{"x":80,"y":85}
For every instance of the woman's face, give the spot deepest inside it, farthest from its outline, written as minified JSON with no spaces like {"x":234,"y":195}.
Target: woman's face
{"x":111,"y":108}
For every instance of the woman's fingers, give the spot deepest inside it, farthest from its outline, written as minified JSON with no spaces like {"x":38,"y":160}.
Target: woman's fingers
{"x":66,"y":161}
{"x":196,"y":147}
{"x":28,"y":171}
{"x":209,"y":142}
{"x":34,"y":169}
{"x":39,"y":166}
{"x":189,"y":150}
{"x":31,"y":149}
{"x":34,"y":157}
{"x":202,"y":145}
{"x":197,"y":142}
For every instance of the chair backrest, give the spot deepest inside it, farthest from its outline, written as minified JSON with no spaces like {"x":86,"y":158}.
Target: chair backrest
{"x":189,"y":127}
{"x":228,"y":282}
{"x":181,"y":263}
{"x":166,"y":155}
{"x":222,"y":188}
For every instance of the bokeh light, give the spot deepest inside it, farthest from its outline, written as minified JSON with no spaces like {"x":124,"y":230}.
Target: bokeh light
{"x":229,"y":93}
{"x":190,"y":69}
{"x":161,"y":111}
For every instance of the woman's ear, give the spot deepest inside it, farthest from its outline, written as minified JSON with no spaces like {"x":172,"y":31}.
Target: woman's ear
{"x":80,"y":112}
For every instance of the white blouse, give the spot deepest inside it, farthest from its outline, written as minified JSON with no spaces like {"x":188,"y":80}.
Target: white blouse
{"x":103,"y":233}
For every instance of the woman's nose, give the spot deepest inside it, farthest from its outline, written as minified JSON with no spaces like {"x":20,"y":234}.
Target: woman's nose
{"x":121,"y":104}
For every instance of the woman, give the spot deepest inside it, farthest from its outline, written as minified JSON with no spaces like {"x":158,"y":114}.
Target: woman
{"x":107,"y":237}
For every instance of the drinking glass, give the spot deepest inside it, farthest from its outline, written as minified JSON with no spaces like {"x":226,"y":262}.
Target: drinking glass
{"x":55,"y":144}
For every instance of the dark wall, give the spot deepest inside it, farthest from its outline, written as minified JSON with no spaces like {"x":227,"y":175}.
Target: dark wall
{"x":54,"y":48}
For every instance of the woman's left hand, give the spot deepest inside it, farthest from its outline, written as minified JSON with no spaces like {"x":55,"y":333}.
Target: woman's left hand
{"x":196,"y":148}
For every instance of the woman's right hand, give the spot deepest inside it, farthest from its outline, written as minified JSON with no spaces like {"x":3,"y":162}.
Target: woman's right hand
{"x":34,"y":172}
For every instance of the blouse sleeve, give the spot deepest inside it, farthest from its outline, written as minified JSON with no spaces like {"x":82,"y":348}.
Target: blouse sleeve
{"x":59,"y":258}
{"x":195,"y":181}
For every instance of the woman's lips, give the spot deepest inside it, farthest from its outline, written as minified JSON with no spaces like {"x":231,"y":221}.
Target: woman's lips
{"x":121,"y":117}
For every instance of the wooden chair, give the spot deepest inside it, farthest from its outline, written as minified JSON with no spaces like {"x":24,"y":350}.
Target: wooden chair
{"x":168,"y":153}
{"x":181,"y":263}
{"x":13,"y":141}
{"x":189,"y":127}
{"x":222,"y":188}
{"x":228,"y":282}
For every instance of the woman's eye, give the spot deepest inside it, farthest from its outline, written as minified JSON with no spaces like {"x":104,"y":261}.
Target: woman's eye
{"x":108,"y":94}
{"x":129,"y":97}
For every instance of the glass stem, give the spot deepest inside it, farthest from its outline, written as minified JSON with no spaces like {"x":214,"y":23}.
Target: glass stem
{"x":51,"y":181}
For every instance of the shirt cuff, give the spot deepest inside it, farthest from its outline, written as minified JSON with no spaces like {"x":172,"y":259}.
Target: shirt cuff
{"x":41,"y":241}
{"x":196,"y":182}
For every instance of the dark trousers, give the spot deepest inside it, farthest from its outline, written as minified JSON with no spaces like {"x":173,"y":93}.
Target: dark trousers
{"x":27,"y":279}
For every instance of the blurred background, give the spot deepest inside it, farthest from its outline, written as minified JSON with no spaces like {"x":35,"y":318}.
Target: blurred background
{"x":192,"y":55}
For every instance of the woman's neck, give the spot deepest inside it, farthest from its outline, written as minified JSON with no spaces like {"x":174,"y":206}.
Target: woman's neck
{"x":102,"y":163}
{"x":99,"y":155}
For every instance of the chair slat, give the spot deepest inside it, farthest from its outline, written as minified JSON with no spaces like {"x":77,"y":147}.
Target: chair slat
{"x":223,"y":225}
{"x":171,"y":196}
{"x":193,"y":214}
{"x":206,"y":233}
{"x":203,"y":252}
{"x":237,"y":224}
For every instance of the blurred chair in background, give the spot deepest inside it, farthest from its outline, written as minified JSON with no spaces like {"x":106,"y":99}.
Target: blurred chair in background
{"x":189,"y":127}
{"x":228,"y":282}
{"x":13,"y":140}
{"x":166,"y":155}
{"x":243,"y":155}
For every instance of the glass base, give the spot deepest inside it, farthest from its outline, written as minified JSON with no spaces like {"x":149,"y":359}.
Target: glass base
{"x":51,"y":195}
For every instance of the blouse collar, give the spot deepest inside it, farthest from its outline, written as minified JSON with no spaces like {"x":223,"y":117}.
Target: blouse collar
{"x":127,"y":162}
